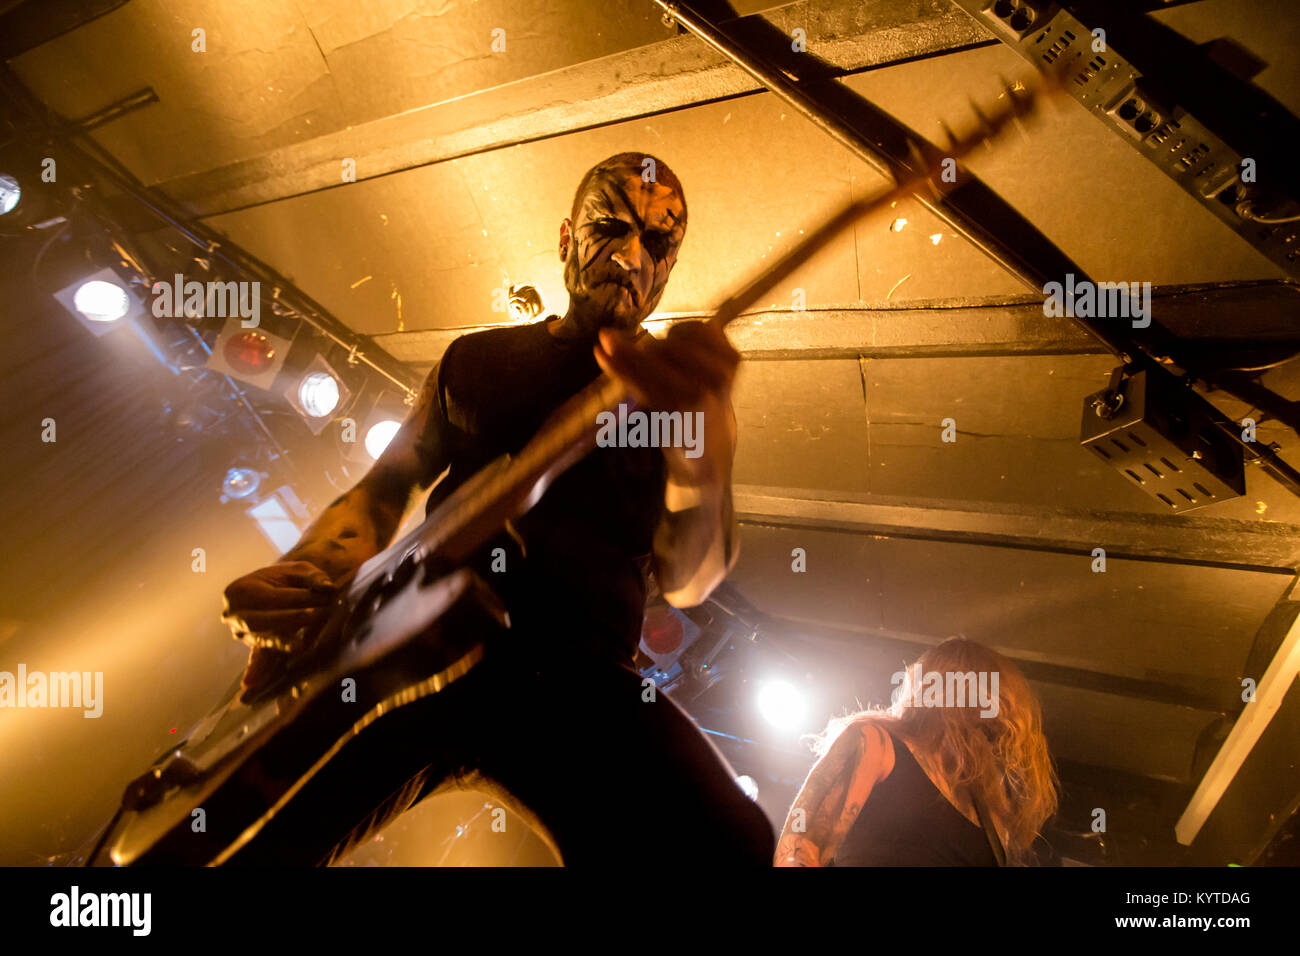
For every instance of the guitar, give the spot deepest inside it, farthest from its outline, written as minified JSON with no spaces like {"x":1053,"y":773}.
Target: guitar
{"x":413,"y":619}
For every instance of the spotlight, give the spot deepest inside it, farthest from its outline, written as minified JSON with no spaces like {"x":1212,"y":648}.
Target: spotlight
{"x":10,"y":194}
{"x":318,"y":394}
{"x":379,"y":435}
{"x":249,"y":352}
{"x":661,"y":629}
{"x":525,"y":303}
{"x":782,"y":704}
{"x":27,"y":202}
{"x":252,"y":355}
{"x":100,"y":301}
{"x":240,"y":483}
{"x":748,"y":784}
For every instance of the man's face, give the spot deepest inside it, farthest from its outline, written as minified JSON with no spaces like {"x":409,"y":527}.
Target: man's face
{"x":620,"y":251}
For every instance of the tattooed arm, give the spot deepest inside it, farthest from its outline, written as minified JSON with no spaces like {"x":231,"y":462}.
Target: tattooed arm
{"x":361,"y":523}
{"x":831,"y":798}
{"x":280,"y":606}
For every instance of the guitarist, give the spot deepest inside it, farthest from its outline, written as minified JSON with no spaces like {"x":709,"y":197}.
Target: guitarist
{"x":554,"y":722}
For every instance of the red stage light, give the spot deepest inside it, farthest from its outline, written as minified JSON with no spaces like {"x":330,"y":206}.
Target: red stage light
{"x":249,"y":352}
{"x":662,"y":629}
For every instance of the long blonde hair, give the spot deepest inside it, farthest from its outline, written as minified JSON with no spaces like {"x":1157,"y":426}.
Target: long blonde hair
{"x":1002,"y":758}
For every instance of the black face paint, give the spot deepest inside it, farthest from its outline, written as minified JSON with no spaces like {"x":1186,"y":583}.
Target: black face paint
{"x":612,"y":220}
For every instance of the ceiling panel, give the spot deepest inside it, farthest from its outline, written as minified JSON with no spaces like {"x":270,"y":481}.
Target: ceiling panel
{"x":1137,"y":619}
{"x":806,"y":424}
{"x":445,"y":237}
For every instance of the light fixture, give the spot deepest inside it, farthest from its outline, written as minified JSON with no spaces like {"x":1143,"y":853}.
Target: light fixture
{"x":379,"y":435}
{"x":101,"y":301}
{"x":10,"y":194}
{"x":525,"y":303}
{"x":249,"y":352}
{"x":28,"y":201}
{"x":782,"y":704}
{"x":252,"y":355}
{"x":748,"y":784}
{"x":318,"y":394}
{"x":240,"y":483}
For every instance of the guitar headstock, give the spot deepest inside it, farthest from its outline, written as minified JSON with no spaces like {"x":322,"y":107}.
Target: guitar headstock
{"x":1015,"y":104}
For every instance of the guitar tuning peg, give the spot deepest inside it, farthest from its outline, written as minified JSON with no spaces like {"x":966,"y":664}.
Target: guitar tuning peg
{"x":918,"y":160}
{"x":950,"y":139}
{"x":1009,"y":90}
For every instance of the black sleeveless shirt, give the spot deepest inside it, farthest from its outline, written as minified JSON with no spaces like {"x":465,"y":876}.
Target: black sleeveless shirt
{"x":907,"y":821}
{"x":580,"y":581}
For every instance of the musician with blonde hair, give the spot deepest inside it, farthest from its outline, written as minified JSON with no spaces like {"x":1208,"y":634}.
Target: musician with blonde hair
{"x":912,"y":785}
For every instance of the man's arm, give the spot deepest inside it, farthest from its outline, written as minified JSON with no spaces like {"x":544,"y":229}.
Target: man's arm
{"x":831,"y":798}
{"x":362,"y":522}
{"x":696,"y":544}
{"x":279,"y":606}
{"x":690,"y":371}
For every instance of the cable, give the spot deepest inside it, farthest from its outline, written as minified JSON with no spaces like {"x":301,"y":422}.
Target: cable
{"x":1262,"y":368}
{"x":1247,"y":210}
{"x":45,"y":247}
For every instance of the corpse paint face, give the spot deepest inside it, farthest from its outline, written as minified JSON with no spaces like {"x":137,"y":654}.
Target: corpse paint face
{"x":619,"y":253}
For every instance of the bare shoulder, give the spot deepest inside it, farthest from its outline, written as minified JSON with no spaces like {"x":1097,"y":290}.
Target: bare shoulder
{"x":878,"y":749}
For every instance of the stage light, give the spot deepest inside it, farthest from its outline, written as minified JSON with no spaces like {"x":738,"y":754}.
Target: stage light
{"x":525,"y":303}
{"x":749,"y":785}
{"x":379,"y":435}
{"x":661,"y":629}
{"x":28,"y":203}
{"x":101,"y":301}
{"x":782,"y":704}
{"x":241,"y":483}
{"x":249,"y":352}
{"x":252,"y":355}
{"x":10,"y":193}
{"x":319,"y":394}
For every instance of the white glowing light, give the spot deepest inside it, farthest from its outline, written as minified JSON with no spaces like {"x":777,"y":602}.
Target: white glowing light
{"x":379,"y":436}
{"x":749,"y":785}
{"x":102,"y":301}
{"x":782,"y":704}
{"x":10,"y":193}
{"x":897,"y":225}
{"x":318,"y":394}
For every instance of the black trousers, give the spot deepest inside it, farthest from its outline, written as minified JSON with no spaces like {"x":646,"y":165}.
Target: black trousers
{"x":571,"y":745}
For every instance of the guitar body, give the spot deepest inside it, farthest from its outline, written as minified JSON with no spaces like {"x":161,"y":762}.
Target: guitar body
{"x":246,"y":763}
